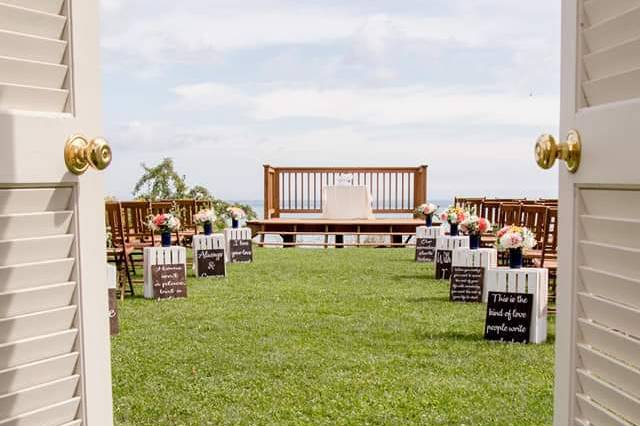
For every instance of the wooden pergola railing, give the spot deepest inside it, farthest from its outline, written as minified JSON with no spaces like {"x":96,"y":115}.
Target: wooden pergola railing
{"x":299,"y":189}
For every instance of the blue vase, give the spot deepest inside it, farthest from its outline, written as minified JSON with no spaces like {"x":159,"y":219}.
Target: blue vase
{"x":474,"y":241}
{"x":515,"y":258}
{"x":428,"y":220}
{"x":235,"y":223}
{"x":453,"y":229}
{"x":208,"y":228}
{"x":166,"y":239}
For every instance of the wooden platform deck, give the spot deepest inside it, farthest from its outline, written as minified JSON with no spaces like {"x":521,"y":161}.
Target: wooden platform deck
{"x":399,"y":229}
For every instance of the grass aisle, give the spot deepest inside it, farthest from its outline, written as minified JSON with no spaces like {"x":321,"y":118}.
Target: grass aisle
{"x":353,"y":336}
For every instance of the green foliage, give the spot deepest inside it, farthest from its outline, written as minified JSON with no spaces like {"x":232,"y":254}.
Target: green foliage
{"x":162,"y":182}
{"x":323,"y":337}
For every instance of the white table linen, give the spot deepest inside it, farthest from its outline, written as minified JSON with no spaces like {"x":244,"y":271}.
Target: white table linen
{"x":346,"y":202}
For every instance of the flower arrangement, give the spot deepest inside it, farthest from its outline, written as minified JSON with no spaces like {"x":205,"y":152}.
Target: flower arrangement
{"x":205,"y":216}
{"x":475,"y":225}
{"x":515,"y":237}
{"x":454,"y":215}
{"x":164,"y":222}
{"x":236,"y":213}
{"x":426,"y":209}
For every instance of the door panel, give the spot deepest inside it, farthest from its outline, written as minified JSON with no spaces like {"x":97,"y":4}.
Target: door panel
{"x":598,"y":326}
{"x":54,"y":333}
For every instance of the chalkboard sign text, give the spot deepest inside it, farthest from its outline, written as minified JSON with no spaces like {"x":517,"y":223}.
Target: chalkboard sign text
{"x":210,"y":263}
{"x":466,"y":284}
{"x":443,"y":264}
{"x":425,"y":249}
{"x":240,"y":251}
{"x":508,"y":317}
{"x":168,"y":281}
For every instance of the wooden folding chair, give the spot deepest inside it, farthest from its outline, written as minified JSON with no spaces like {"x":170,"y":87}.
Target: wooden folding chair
{"x":549,"y":256}
{"x":534,"y":217}
{"x":137,"y":234}
{"x":120,"y":251}
{"x":187,"y":209}
{"x":510,"y":214}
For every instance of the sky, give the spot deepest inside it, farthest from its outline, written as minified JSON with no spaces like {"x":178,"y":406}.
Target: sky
{"x":223,"y":87}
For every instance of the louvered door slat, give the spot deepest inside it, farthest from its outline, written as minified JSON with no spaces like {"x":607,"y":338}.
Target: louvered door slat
{"x":38,"y":307}
{"x":28,"y":326}
{"x":601,"y":10}
{"x":595,"y":414}
{"x":614,"y":399}
{"x":31,"y":98}
{"x":36,"y":299}
{"x":610,"y":51}
{"x":612,"y":286}
{"x":29,"y":21}
{"x":611,"y":258}
{"x":31,"y":48}
{"x":25,"y":351}
{"x":29,"y":375}
{"x":48,"y":6}
{"x":32,"y":69}
{"x":610,"y":341}
{"x":608,"y":306}
{"x":29,"y":399}
{"x":618,"y":87}
{"x":29,"y":225}
{"x":28,"y":275}
{"x":32,"y":73}
{"x":614,"y":31}
{"x":625,"y":376}
{"x":617,"y":60}
{"x":35,"y":249}
{"x":52,"y":415}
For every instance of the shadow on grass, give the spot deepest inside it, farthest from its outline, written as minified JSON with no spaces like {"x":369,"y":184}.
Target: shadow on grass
{"x":425,"y":299}
{"x":453,"y":336}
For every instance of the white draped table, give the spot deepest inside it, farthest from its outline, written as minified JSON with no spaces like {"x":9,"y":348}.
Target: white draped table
{"x":346,"y":202}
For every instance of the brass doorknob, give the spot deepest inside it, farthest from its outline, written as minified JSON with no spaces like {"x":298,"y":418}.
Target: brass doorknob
{"x":547,"y":151}
{"x":80,"y":153}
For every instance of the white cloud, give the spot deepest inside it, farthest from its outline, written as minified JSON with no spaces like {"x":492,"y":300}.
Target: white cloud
{"x":378,"y":107}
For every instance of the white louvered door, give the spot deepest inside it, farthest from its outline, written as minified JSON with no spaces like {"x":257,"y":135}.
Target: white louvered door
{"x":598,"y":324}
{"x":54,"y":336}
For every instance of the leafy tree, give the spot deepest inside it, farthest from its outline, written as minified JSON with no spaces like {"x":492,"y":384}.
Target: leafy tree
{"x":160,"y":182}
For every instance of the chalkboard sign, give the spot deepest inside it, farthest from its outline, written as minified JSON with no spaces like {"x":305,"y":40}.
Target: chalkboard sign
{"x":210,"y":263}
{"x":508,"y":317}
{"x":443,"y":264}
{"x":114,"y":320}
{"x":168,"y":281}
{"x":466,"y":284}
{"x":240,"y":251}
{"x":425,"y":249}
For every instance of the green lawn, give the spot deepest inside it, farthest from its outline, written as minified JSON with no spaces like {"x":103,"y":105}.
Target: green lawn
{"x":353,"y":336}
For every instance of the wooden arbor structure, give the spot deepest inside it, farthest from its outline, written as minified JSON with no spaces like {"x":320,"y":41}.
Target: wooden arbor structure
{"x":298,"y":191}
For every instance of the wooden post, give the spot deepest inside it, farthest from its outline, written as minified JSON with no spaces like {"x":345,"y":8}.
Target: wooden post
{"x":268,"y":199}
{"x":420,"y":186}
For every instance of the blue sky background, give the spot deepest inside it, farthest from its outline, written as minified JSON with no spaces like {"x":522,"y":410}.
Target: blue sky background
{"x":223,"y":87}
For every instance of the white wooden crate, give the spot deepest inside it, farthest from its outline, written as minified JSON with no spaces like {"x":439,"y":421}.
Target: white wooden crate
{"x":525,"y":280}
{"x":235,"y":234}
{"x":161,"y":256}
{"x":207,"y":242}
{"x":447,"y":242}
{"x":482,"y":257}
{"x":427,"y":231}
